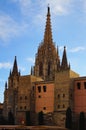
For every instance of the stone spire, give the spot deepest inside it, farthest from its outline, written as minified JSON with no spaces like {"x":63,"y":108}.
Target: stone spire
{"x":6,"y":86}
{"x":64,"y":64}
{"x":31,"y":70}
{"x":15,"y":68}
{"x":47,"y":59}
{"x":48,"y":32}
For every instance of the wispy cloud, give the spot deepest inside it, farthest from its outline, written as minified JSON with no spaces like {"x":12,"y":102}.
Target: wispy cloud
{"x":5,"y":65}
{"x":36,"y":10}
{"x":32,"y":13}
{"x":61,"y":48}
{"x":31,"y":60}
{"x":78,"y":49}
{"x":9,"y":28}
{"x":59,"y":7}
{"x":8,"y":65}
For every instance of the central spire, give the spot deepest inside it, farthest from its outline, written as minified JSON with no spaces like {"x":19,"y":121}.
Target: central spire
{"x":48,"y":32}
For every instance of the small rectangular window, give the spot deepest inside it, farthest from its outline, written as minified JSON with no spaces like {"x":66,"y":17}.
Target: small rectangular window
{"x":39,"y":89}
{"x":78,"y":85}
{"x":63,"y":95}
{"x":58,"y":95}
{"x":25,"y":97}
{"x":44,"y":88}
{"x":84,"y":85}
{"x":44,"y":108}
{"x":33,"y":88}
{"x":58,"y":106}
{"x":39,"y":96}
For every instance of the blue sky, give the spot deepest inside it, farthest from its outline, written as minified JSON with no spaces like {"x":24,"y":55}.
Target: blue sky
{"x":22,"y":26}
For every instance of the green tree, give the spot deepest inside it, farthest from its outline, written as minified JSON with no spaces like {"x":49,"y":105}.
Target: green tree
{"x":82,"y":121}
{"x":40,"y":118}
{"x":68,"y":122}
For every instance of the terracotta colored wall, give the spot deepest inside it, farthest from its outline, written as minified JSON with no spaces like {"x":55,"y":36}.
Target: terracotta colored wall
{"x":45,"y":102}
{"x":79,"y":96}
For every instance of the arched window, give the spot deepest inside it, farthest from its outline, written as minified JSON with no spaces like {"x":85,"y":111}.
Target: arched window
{"x":49,"y":67}
{"x":40,"y":69}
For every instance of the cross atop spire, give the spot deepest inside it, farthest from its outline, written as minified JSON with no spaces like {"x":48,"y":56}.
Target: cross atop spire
{"x":48,"y":9}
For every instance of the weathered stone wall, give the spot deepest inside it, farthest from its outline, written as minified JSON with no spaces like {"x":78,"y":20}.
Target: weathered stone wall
{"x":63,"y":94}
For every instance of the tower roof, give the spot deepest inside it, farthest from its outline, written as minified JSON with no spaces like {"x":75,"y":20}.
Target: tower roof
{"x":48,"y":32}
{"x":47,"y":56}
{"x":15,"y":68}
{"x":64,"y":64}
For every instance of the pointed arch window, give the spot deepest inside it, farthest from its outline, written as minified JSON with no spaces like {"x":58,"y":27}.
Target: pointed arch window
{"x":49,"y":67}
{"x":40,"y":69}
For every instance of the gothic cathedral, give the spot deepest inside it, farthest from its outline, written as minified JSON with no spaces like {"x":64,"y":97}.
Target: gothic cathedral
{"x":48,"y":88}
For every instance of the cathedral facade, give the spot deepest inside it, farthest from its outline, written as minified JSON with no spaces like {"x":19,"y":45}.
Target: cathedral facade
{"x":49,"y":87}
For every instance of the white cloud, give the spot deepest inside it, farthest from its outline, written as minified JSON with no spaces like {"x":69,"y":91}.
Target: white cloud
{"x":61,"y":48}
{"x":8,"y":65}
{"x":30,"y":60}
{"x":34,"y":11}
{"x":58,"y":7}
{"x":5,"y":65}
{"x":77,"y":49}
{"x":9,"y":28}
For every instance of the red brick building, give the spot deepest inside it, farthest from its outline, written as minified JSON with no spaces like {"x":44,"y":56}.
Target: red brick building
{"x":80,"y":95}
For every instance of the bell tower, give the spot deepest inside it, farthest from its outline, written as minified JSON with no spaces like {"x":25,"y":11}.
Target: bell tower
{"x":47,"y":58}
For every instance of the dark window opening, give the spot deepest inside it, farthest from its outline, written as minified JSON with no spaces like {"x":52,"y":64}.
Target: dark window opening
{"x":33,"y":88}
{"x":40,"y":69}
{"x":44,"y":88}
{"x":63,"y":106}
{"x":25,"y":107}
{"x":71,"y":95}
{"x":21,"y":107}
{"x":39,"y":89}
{"x":20,"y":98}
{"x":39,"y":96}
{"x":84,"y":85}
{"x":78,"y":85}
{"x":58,"y":95}
{"x":25,"y":97}
{"x":49,"y":66}
{"x":63,"y":95}
{"x":58,"y":106}
{"x":44,"y":108}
